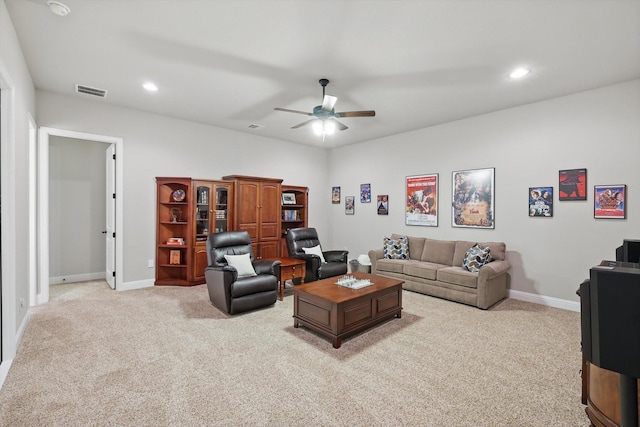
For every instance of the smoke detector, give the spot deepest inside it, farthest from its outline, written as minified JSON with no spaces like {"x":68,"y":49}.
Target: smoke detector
{"x":58,"y":8}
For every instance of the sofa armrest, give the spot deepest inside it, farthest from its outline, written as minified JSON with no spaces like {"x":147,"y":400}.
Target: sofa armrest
{"x":493,"y":283}
{"x":335,"y":255}
{"x":267,"y":266}
{"x":493,"y":269}
{"x":374,"y":256}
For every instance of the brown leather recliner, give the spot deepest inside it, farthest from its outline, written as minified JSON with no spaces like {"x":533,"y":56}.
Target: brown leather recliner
{"x":336,"y":260}
{"x":235,"y":293}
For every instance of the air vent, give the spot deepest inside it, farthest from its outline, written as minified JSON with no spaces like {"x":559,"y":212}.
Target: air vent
{"x":91,"y":91}
{"x":255,"y":126}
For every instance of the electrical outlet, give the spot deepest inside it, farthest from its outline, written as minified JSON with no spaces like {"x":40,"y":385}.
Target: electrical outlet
{"x":150,"y":263}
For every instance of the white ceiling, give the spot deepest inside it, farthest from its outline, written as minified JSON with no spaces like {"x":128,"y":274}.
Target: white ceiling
{"x":228,"y":63}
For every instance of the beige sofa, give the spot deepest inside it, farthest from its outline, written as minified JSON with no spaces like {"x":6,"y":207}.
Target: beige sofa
{"x":435,"y":268}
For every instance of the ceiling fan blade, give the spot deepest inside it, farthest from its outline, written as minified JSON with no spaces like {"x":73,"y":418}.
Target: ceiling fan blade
{"x":368,"y":113}
{"x":286,"y":110}
{"x":328,"y":102}
{"x":303,"y":123}
{"x":340,"y":126}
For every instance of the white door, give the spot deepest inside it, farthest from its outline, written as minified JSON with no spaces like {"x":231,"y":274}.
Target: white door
{"x":111,"y":216}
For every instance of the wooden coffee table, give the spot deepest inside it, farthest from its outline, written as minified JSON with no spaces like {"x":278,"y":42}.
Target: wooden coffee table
{"x":338,"y":312}
{"x":291,"y":268}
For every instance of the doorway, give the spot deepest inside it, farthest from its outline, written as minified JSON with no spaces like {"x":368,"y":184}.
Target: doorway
{"x":46,"y":137}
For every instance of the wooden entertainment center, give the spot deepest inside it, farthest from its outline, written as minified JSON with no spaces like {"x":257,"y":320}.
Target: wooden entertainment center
{"x":188,"y":210}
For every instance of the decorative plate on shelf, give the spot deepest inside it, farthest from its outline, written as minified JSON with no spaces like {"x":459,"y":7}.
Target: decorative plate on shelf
{"x":178,"y":195}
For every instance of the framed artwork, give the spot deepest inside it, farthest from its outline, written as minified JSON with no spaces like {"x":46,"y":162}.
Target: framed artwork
{"x":541,"y":201}
{"x":383,"y":204}
{"x":288,"y":198}
{"x":335,"y":195}
{"x":349,"y":205}
{"x":572,"y":184}
{"x":609,"y":201}
{"x":422,"y":200}
{"x":473,"y":198}
{"x":365,"y":193}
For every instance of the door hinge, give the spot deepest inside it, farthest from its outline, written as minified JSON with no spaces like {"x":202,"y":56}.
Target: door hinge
{"x":114,"y":235}
{"x":114,"y":157}
{"x":114,"y":274}
{"x":114,"y":195}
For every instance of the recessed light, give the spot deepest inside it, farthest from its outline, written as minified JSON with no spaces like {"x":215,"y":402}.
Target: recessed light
{"x":58,"y":8}
{"x":519,"y":73}
{"x":150,"y":87}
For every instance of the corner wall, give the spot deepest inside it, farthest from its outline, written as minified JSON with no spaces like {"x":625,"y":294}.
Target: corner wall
{"x":155,"y":145}
{"x":528,"y":145}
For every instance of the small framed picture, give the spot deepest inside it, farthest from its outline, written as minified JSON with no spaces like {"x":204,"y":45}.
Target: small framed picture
{"x":365,"y":193}
{"x":174,"y":257}
{"x":349,"y":204}
{"x":383,"y":204}
{"x":288,"y":198}
{"x":572,"y":184}
{"x":609,"y":201}
{"x":335,"y":195}
{"x":541,"y":201}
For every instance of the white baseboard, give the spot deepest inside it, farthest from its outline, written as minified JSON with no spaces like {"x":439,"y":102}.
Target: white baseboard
{"x":544,"y":300}
{"x":4,"y":370}
{"x":138,"y":284}
{"x":77,"y":278}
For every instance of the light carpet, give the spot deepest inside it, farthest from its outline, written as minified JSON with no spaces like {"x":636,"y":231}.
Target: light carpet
{"x":164,"y":356}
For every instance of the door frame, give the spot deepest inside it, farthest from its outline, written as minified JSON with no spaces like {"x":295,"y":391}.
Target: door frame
{"x":43,"y":202}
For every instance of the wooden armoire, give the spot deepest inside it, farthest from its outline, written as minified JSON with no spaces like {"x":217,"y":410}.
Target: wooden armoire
{"x":257,"y":210}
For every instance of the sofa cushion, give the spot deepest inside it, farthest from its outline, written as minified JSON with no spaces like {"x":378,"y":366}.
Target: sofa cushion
{"x":458,"y":276}
{"x":396,"y":248}
{"x":416,"y":245}
{"x":425,"y":270}
{"x":438,"y":251}
{"x":475,"y":258}
{"x":390,"y":265}
{"x":498,"y":250}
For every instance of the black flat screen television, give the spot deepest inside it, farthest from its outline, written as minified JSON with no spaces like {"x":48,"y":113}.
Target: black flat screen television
{"x":631,"y":250}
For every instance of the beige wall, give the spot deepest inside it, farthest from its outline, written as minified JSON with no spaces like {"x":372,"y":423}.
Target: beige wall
{"x":528,"y":145}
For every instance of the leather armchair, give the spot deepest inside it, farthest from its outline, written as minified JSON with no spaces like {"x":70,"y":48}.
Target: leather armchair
{"x":233,"y":293}
{"x":336,"y":260}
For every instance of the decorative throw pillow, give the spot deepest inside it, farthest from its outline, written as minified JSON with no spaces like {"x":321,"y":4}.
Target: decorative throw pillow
{"x":315,"y":250}
{"x":242,"y":263}
{"x":396,"y":249}
{"x":475,"y":258}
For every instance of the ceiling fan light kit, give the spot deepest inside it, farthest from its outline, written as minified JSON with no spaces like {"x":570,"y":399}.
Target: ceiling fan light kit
{"x":324,"y":116}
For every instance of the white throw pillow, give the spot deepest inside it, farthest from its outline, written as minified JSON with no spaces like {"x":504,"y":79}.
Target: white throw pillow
{"x":315,"y":250}
{"x":242,"y":263}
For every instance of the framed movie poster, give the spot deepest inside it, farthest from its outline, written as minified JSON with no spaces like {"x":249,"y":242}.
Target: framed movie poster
{"x":383,"y":204}
{"x":609,"y":201}
{"x":572,"y":184}
{"x":541,"y":201}
{"x":335,"y":195}
{"x":365,"y":193}
{"x":473,"y":198}
{"x":349,"y":204}
{"x":422,"y":200}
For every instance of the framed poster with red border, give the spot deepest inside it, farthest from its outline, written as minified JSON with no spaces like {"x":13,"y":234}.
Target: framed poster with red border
{"x":421,"y":200}
{"x":609,"y":201}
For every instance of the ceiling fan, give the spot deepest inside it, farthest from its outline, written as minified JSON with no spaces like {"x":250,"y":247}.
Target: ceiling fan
{"x":324,"y":116}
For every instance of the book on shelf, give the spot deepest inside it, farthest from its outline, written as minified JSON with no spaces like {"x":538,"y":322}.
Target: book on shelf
{"x":291,"y":215}
{"x":175,"y":241}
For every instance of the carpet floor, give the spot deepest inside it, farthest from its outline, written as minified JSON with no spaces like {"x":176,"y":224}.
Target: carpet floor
{"x":164,"y":356}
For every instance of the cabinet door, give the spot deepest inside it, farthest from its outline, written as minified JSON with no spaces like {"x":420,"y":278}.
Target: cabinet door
{"x":199,"y":263}
{"x":202,"y":196}
{"x":269,"y":249}
{"x":221,"y":218}
{"x":247,"y":212}
{"x":270,"y":211}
